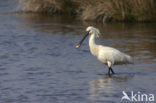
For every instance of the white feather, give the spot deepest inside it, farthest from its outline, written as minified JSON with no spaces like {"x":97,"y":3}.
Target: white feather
{"x":106,"y":54}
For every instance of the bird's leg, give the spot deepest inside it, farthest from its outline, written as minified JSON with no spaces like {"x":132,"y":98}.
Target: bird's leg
{"x":109,"y":71}
{"x":112,"y":70}
{"x":109,"y":67}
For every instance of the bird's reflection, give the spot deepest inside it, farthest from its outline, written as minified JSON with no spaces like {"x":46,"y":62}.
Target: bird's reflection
{"x":105,"y":88}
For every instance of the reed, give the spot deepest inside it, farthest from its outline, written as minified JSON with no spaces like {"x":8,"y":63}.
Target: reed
{"x":40,"y":6}
{"x":96,"y":10}
{"x":119,"y":10}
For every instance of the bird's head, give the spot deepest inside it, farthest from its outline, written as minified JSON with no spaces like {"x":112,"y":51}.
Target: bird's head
{"x":90,"y":31}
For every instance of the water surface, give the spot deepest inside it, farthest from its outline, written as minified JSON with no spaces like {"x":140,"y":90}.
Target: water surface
{"x":39,"y":62}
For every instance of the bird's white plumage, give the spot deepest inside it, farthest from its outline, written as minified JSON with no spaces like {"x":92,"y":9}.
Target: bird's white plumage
{"x":93,"y":30}
{"x":107,"y":55}
{"x":115,"y":56}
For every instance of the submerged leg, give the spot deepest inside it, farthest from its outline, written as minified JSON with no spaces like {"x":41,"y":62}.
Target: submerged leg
{"x":109,"y":71}
{"x":112,"y":70}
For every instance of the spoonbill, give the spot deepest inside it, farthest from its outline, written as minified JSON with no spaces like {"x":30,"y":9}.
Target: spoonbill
{"x":107,"y":55}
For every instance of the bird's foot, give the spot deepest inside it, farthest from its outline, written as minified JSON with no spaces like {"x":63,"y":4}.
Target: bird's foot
{"x":109,"y":74}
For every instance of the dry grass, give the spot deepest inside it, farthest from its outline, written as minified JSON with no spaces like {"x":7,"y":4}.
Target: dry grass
{"x":119,"y":10}
{"x":96,"y":10}
{"x":42,"y":6}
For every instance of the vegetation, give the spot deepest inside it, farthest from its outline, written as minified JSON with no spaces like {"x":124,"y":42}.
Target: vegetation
{"x":96,"y":10}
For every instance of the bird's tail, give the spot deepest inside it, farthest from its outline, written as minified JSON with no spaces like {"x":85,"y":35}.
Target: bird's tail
{"x":129,"y":59}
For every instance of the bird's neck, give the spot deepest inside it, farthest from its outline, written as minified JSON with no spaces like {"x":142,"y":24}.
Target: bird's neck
{"x":92,"y":40}
{"x":93,"y":46}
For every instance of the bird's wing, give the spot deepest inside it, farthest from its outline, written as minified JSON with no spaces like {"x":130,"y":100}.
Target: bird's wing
{"x":110,"y":54}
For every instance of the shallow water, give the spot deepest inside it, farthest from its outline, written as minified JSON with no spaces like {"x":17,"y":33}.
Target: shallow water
{"x":39,"y":62}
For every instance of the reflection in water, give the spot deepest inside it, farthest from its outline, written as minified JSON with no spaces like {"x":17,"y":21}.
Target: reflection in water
{"x":52,"y":24}
{"x":106,"y":88}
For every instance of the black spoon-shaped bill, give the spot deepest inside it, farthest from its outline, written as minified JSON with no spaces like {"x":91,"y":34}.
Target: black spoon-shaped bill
{"x":79,"y":44}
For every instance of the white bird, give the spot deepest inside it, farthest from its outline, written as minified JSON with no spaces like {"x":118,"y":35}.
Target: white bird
{"x":107,"y":55}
